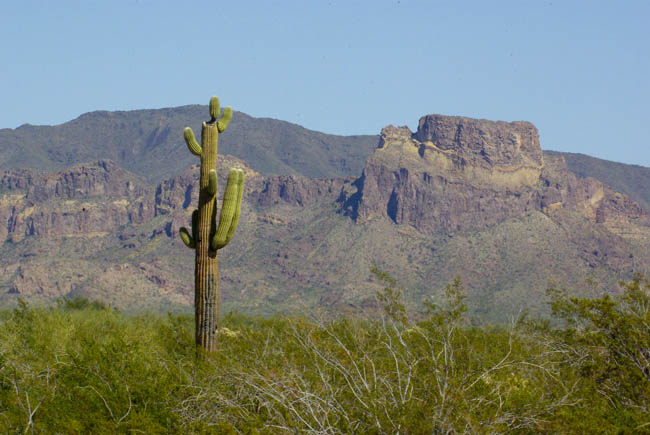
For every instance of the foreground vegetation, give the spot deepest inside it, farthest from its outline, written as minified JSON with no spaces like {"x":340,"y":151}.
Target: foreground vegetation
{"x":82,"y":367}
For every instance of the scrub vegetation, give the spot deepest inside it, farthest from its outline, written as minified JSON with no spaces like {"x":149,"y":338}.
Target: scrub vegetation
{"x":84,"y":367}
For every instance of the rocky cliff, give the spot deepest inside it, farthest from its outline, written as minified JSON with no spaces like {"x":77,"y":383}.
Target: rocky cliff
{"x":458,"y":173}
{"x":88,"y":200}
{"x":95,"y":199}
{"x":496,"y":146}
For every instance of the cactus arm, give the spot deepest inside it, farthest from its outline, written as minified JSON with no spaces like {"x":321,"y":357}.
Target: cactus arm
{"x":195,"y":224}
{"x":187,"y":239}
{"x":222,"y":125}
{"x":235,"y":218}
{"x":190,"y":241}
{"x":214,"y":109}
{"x":227,"y":210}
{"x":212,"y":182}
{"x":192,"y":144}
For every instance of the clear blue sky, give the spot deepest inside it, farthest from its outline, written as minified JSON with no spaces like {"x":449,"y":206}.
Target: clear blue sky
{"x":580,"y":71}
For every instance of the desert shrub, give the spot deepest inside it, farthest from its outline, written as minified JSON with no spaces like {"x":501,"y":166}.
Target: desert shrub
{"x":612,"y":335}
{"x":87,"y":368}
{"x":385,"y":376}
{"x":83,"y":371}
{"x":81,"y":303}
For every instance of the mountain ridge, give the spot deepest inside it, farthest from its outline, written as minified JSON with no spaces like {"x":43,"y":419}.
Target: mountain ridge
{"x":84,"y":231}
{"x":134,"y":138}
{"x":175,"y":118}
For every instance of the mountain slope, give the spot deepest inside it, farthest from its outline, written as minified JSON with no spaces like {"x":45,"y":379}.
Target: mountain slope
{"x":633,"y":180}
{"x":150,"y":143}
{"x":460,"y":197}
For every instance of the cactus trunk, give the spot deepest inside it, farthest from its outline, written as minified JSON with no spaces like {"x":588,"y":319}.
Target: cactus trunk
{"x":204,"y":238}
{"x":206,"y":272}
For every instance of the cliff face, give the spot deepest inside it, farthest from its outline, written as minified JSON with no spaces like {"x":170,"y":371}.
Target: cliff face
{"x":88,"y":200}
{"x":178,"y":196}
{"x":456,"y":173}
{"x":490,"y":144}
{"x":94,"y":200}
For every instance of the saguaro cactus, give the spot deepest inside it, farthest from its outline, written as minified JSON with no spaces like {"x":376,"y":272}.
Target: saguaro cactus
{"x":207,"y":237}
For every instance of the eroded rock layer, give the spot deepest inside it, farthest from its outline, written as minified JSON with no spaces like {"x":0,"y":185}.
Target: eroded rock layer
{"x":457,"y":173}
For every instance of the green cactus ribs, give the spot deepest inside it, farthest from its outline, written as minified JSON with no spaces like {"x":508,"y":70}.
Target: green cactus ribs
{"x":230,"y":211}
{"x":209,"y":234}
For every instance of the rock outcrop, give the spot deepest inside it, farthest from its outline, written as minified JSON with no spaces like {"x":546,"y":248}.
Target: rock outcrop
{"x":88,"y":200}
{"x":294,"y":190}
{"x":182,"y":191}
{"x":456,"y":173}
{"x":93,"y":200}
{"x":494,"y":145}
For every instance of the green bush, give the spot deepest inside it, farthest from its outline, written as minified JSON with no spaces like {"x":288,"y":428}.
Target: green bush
{"x":613,"y":336}
{"x":83,"y":367}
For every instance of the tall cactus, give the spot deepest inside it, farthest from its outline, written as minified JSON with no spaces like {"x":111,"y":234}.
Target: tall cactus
{"x":207,"y":237}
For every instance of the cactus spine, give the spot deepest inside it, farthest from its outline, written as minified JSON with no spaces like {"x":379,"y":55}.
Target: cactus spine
{"x":207,"y":237}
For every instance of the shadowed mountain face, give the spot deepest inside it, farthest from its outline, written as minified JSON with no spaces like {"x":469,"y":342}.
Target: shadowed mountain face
{"x":459,"y":197}
{"x":150,"y":143}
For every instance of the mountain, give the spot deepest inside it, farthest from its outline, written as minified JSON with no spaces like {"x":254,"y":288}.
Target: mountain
{"x":633,"y":180}
{"x":459,"y":197}
{"x":150,"y":143}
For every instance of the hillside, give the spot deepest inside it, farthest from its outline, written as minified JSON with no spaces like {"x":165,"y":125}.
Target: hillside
{"x":633,"y":180}
{"x":150,"y":143}
{"x":484,"y":204}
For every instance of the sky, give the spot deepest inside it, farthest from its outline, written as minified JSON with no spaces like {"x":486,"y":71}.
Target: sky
{"x":578,"y":70}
